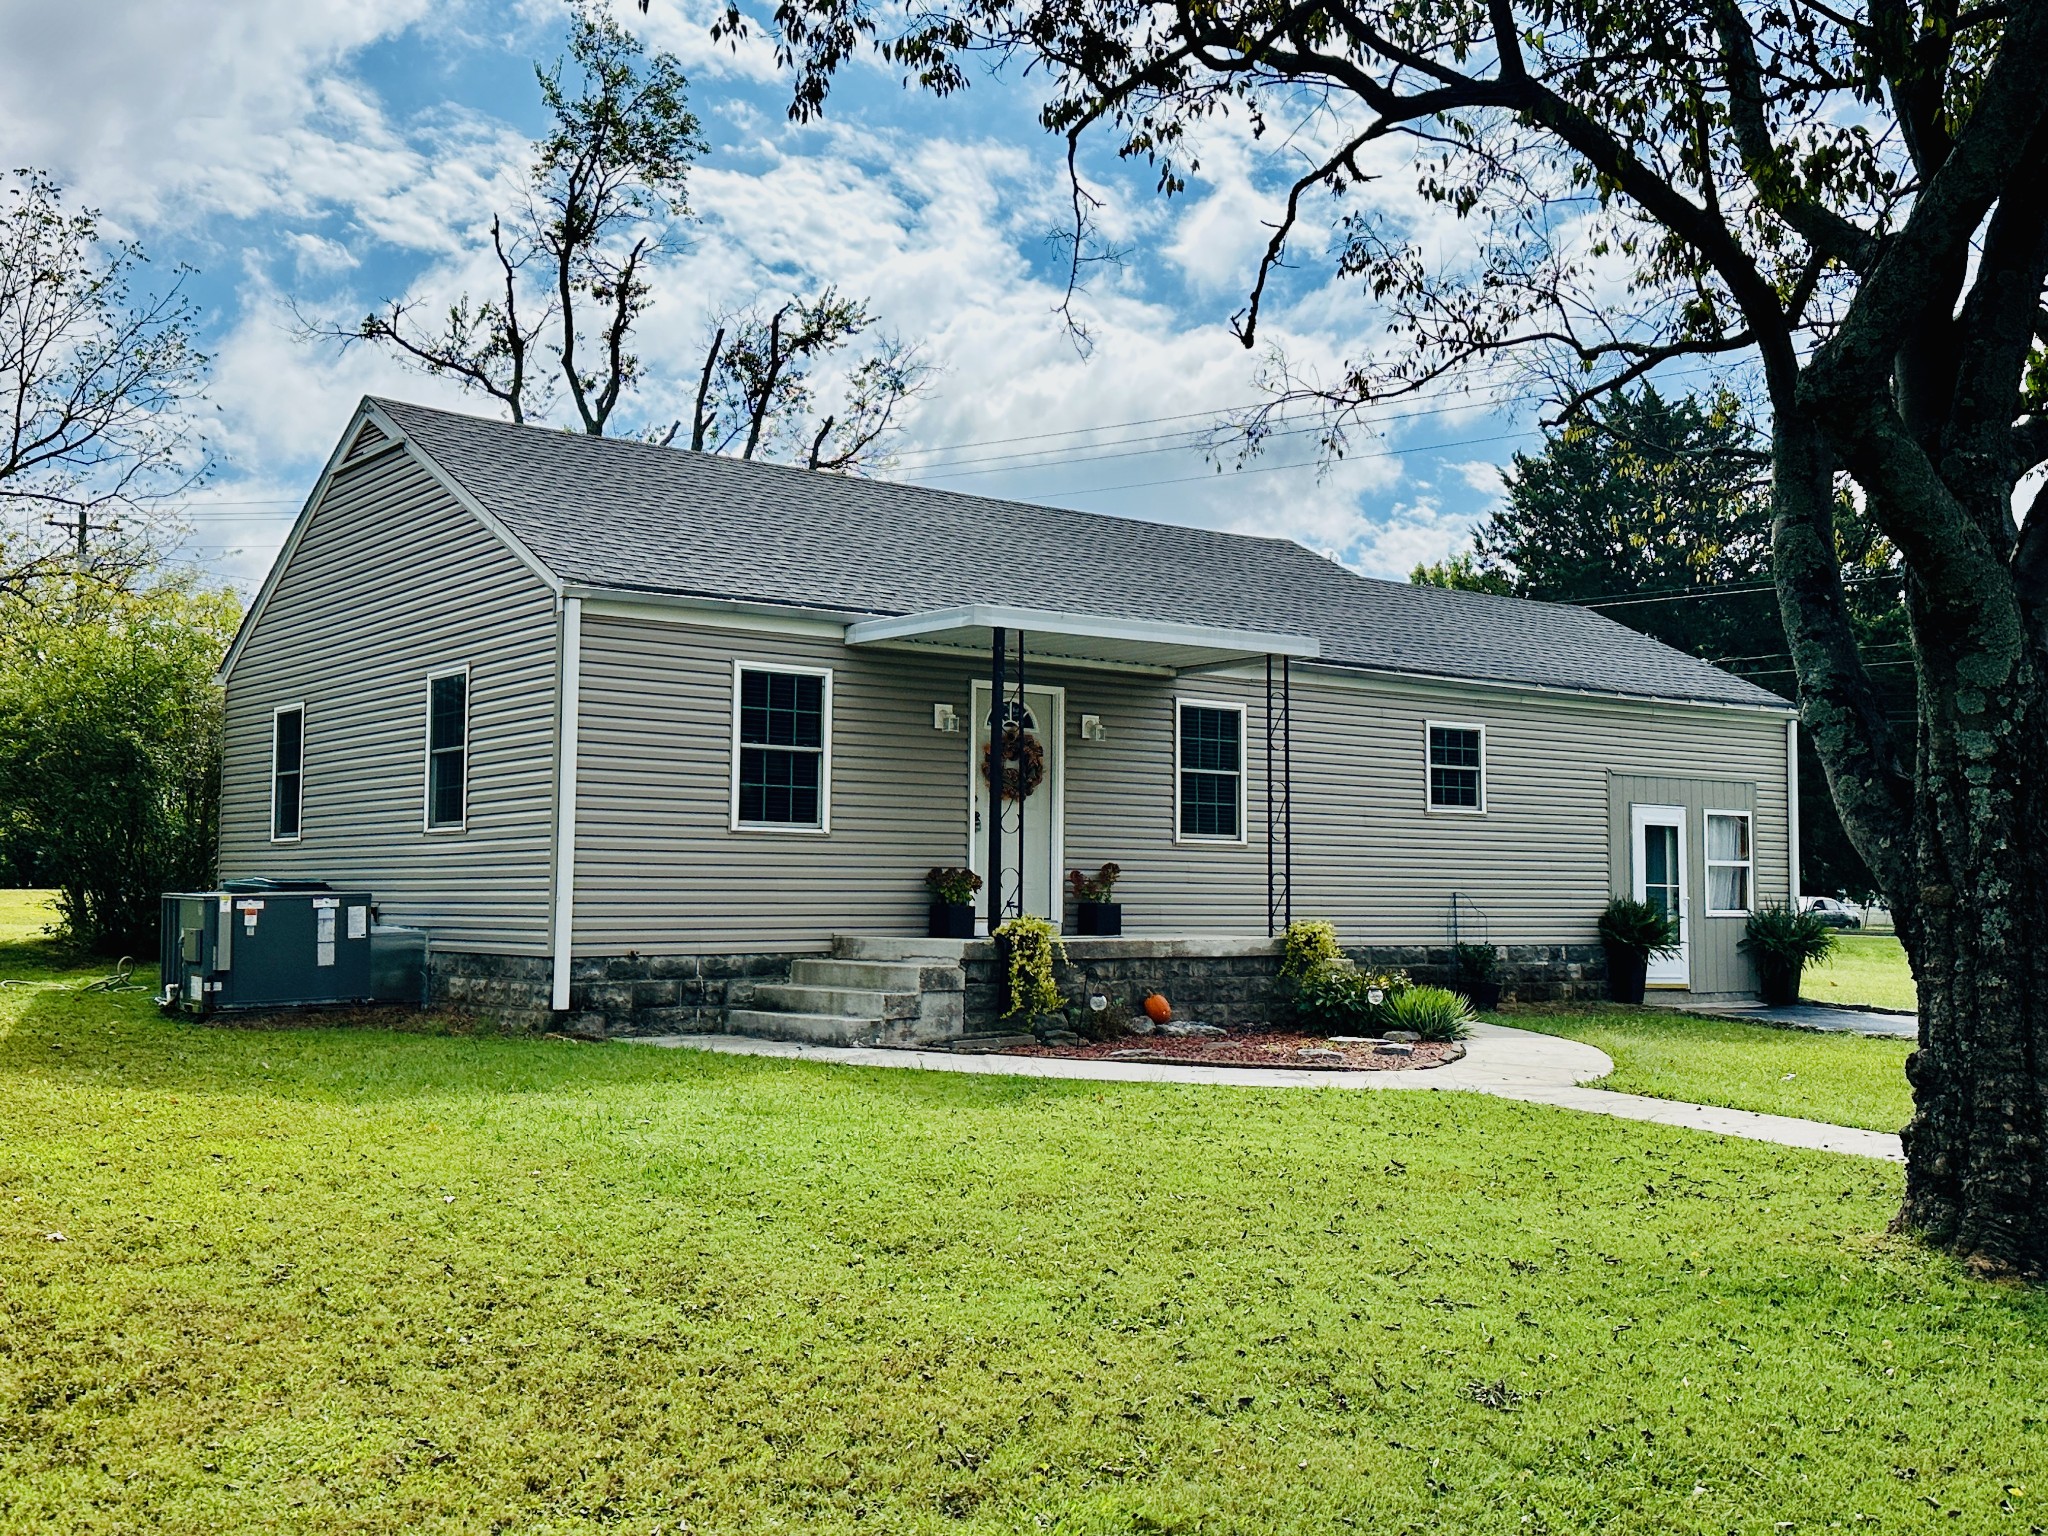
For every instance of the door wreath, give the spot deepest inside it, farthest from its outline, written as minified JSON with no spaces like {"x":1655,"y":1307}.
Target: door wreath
{"x":1023,"y":763}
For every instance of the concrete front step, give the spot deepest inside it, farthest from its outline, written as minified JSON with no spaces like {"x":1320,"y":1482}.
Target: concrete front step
{"x":876,"y":975}
{"x":848,"y":1002}
{"x":815,"y":1028}
{"x":853,"y":946}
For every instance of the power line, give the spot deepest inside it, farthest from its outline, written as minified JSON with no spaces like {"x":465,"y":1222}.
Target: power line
{"x":1390,"y":419}
{"x":1729,"y":589}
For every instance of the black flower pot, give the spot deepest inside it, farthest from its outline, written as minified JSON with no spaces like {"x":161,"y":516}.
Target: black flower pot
{"x":1627,"y":970}
{"x":950,"y":920}
{"x":1482,"y":995}
{"x":1778,"y":981}
{"x":1102,"y":919}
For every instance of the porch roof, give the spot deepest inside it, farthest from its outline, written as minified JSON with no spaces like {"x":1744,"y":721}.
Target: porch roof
{"x":1153,"y":644}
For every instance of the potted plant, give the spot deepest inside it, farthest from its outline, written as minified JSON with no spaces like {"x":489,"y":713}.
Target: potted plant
{"x":951,"y":915}
{"x":1478,"y":974}
{"x":1783,"y":941}
{"x":1632,"y":931}
{"x":1094,"y":910}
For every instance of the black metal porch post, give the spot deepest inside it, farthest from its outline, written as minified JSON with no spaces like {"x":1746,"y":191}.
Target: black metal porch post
{"x":994,"y":795}
{"x":1022,"y":801}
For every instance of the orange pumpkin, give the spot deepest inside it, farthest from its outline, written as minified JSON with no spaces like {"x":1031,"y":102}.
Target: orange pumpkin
{"x":1158,"y":1009}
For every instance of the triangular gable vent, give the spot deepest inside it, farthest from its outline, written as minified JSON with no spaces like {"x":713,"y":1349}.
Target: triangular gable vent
{"x":367,"y":442}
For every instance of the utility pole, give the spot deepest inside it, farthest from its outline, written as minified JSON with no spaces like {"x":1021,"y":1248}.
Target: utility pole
{"x":82,"y":530}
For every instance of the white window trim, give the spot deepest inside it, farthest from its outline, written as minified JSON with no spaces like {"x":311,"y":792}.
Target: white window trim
{"x":1428,"y":797}
{"x":1711,"y":863}
{"x":824,"y":823}
{"x":270,"y":800}
{"x":427,"y":822}
{"x":1243,"y":775}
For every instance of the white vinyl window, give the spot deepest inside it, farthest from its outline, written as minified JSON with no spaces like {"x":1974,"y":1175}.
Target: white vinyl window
{"x":287,"y":771}
{"x":1456,"y":767}
{"x":1209,"y":767}
{"x":448,"y":750}
{"x":1730,"y":864}
{"x":781,"y":748}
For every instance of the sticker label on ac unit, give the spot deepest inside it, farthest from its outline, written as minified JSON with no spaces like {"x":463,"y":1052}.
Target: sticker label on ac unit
{"x":359,"y":922}
{"x":323,"y":934}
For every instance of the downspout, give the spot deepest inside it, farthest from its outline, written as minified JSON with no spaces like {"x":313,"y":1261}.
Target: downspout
{"x":569,"y":710}
{"x":1272,"y":807}
{"x":1792,"y":810}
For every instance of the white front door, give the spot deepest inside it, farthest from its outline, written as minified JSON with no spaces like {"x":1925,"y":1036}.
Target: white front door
{"x":1657,"y":840}
{"x":1032,"y":828}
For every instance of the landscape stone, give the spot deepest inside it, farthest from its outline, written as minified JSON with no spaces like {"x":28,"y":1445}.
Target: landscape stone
{"x":1404,"y":1036}
{"x":1394,"y":1048}
{"x":1178,"y":1030}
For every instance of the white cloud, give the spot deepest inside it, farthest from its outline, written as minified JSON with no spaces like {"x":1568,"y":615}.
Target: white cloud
{"x":172,"y":109}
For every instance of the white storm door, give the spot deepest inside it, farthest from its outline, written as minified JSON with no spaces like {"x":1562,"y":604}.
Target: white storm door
{"x":1657,"y":844}
{"x":1033,"y":831}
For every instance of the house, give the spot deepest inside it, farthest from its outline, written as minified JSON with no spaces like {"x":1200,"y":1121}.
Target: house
{"x":646,"y":738}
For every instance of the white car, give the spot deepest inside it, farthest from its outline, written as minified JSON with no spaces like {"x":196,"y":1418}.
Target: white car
{"x":1833,"y":912}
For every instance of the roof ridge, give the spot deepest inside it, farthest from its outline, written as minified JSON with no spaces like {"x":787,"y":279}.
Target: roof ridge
{"x":630,"y":514}
{"x":726,"y":463}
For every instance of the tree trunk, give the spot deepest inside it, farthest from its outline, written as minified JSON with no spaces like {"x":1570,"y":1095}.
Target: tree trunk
{"x":1977,"y":1147}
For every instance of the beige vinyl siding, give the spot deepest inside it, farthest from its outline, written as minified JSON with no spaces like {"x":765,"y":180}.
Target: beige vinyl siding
{"x":660,"y":870}
{"x":391,"y":580}
{"x":1368,"y":854}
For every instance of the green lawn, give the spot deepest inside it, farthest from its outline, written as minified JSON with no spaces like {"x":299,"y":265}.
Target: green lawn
{"x":1844,"y":1079}
{"x":1866,"y":968}
{"x":321,"y":1280}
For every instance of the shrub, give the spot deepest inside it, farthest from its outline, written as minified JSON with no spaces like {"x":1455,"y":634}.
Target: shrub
{"x":1476,"y":962}
{"x":1784,"y":936}
{"x":1031,"y":948}
{"x":1329,"y":1000}
{"x":110,"y":749}
{"x":1309,"y":946}
{"x":1434,"y":1013}
{"x":1636,"y":925}
{"x":952,"y":887}
{"x":1336,"y":999}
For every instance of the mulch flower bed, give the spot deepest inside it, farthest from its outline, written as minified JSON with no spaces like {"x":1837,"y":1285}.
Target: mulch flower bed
{"x":1290,"y":1049}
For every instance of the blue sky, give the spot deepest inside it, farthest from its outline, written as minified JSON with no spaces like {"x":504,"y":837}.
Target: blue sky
{"x":328,"y":153}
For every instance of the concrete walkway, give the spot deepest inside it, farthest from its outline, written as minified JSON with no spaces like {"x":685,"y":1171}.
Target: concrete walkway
{"x":1853,"y":1021}
{"x":1506,"y":1063}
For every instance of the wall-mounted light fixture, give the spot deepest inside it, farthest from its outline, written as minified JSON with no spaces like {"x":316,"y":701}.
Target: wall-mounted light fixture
{"x":1092,"y":728}
{"x":945,"y":718}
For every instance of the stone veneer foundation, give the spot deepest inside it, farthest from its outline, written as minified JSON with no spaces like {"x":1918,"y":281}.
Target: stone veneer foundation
{"x":1214,"y":980}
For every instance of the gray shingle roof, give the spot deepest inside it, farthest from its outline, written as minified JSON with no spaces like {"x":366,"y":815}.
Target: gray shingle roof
{"x":613,"y":512}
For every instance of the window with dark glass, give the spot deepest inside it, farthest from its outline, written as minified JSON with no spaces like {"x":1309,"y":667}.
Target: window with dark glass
{"x":782,"y":749}
{"x":287,"y":771}
{"x":447,"y":749}
{"x":1456,"y":763}
{"x":1211,"y":771}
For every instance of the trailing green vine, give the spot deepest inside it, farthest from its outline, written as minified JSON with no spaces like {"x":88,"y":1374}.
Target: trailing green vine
{"x":1031,"y":948}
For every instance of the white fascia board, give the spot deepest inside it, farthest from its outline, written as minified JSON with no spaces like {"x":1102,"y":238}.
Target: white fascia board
{"x":687,"y":608}
{"x":1362,"y":673}
{"x":460,"y":492}
{"x":1042,"y":621}
{"x":291,"y":541}
{"x":368,"y":411}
